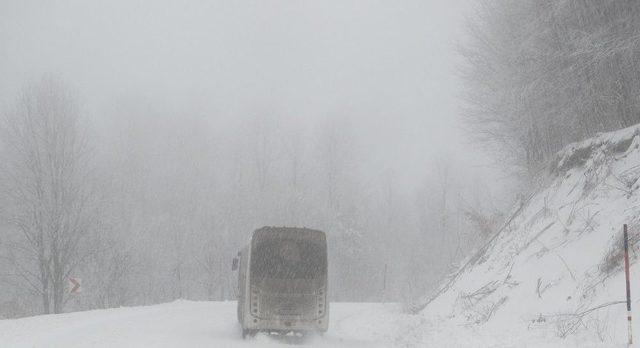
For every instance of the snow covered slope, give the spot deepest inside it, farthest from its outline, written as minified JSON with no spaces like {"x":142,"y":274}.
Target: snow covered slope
{"x":192,"y":324}
{"x":543,"y":278}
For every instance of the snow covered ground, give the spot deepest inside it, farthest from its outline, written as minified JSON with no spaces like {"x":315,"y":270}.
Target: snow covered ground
{"x":213,"y":324}
{"x":194,"y":324}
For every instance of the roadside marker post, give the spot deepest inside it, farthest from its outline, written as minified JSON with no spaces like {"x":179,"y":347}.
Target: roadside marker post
{"x":626,"y":272}
{"x":384,"y":285}
{"x":74,"y":285}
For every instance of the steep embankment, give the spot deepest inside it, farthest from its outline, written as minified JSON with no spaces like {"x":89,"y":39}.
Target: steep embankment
{"x":553,"y":274}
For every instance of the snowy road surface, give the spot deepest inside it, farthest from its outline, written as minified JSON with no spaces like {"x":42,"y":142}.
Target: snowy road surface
{"x":213,"y":324}
{"x":192,"y":324}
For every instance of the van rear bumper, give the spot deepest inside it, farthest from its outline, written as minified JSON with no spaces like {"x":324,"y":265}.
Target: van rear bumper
{"x":288,"y":324}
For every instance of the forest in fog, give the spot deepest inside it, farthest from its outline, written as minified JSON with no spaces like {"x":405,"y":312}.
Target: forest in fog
{"x":141,"y":145}
{"x":541,"y":75}
{"x":91,"y":203}
{"x":407,"y":173}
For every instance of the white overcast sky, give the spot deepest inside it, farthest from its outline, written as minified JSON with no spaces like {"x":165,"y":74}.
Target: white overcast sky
{"x":388,"y":65}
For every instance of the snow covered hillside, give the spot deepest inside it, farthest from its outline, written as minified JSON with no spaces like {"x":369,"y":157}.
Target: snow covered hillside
{"x":553,"y":275}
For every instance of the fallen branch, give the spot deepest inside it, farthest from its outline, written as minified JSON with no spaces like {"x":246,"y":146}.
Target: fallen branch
{"x":568,"y":323}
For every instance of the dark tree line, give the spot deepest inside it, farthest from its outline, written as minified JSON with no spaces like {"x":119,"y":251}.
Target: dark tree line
{"x":542,"y":74}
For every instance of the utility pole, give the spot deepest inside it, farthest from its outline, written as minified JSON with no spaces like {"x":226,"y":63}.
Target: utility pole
{"x":384,"y":285}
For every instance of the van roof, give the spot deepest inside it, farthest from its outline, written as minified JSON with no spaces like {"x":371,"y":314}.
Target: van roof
{"x":287,"y":230}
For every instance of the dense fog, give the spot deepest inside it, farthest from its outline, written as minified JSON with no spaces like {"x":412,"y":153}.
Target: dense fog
{"x":405,"y":173}
{"x":143,"y":142}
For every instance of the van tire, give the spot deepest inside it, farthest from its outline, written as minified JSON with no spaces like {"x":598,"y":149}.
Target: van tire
{"x":248,"y":333}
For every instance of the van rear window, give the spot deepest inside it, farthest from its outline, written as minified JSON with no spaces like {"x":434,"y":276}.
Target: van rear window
{"x":287,"y":258}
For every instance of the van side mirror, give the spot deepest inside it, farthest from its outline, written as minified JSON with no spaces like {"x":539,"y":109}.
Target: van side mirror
{"x":234,"y":264}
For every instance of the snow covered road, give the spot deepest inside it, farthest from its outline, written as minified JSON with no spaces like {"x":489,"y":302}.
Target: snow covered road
{"x":192,"y":324}
{"x":213,"y":324}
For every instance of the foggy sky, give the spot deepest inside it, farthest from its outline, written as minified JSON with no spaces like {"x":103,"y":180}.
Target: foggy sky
{"x":386,"y":65}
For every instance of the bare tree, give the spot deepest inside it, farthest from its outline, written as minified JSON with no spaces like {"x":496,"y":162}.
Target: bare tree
{"x":44,"y":174}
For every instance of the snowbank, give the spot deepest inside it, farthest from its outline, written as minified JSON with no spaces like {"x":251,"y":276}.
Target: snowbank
{"x":553,"y":276}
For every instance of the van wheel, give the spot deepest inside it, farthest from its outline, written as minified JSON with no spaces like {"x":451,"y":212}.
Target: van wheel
{"x":248,"y":333}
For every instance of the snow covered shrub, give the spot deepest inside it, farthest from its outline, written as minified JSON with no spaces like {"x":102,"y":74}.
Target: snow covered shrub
{"x":576,"y":158}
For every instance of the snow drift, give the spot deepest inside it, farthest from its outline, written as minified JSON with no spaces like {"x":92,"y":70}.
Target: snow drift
{"x":554,"y":273}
